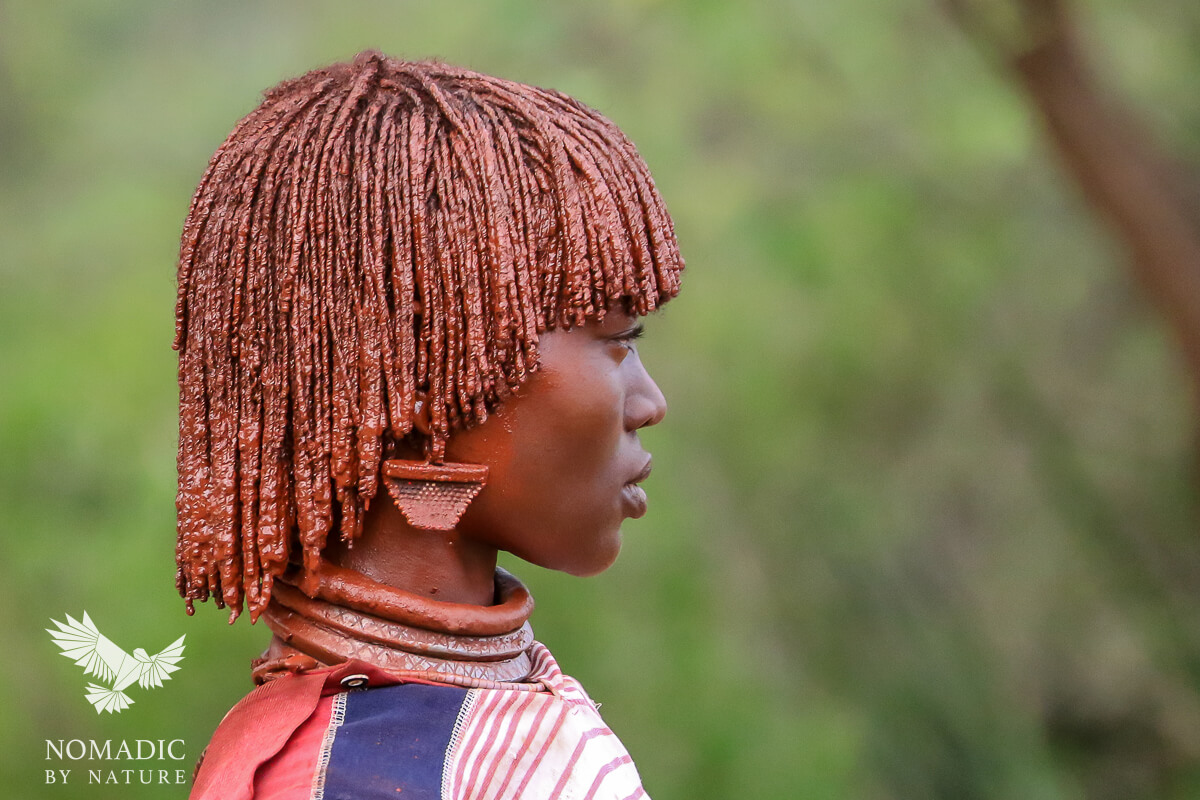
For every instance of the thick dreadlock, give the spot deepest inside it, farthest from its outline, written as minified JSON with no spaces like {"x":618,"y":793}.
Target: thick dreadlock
{"x":373,"y":233}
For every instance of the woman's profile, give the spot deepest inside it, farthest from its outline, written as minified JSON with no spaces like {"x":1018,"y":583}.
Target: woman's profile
{"x":409,"y":299}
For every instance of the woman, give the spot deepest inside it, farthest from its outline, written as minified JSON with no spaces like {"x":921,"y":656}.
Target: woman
{"x":407,"y":314}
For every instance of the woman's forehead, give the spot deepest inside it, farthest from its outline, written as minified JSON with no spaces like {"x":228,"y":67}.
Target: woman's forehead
{"x":617,"y":319}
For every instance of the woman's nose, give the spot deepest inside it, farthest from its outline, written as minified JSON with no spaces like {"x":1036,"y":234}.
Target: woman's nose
{"x":645,"y":404}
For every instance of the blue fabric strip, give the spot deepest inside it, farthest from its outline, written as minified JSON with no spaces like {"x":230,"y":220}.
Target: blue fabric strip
{"x":393,"y":743}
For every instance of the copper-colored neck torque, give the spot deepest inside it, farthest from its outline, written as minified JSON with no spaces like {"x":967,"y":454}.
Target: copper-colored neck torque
{"x":341,"y":615}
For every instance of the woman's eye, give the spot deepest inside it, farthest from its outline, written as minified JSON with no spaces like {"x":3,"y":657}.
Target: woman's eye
{"x":628,"y":339}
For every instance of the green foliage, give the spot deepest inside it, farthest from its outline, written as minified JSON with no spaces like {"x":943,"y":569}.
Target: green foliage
{"x":923,"y":514}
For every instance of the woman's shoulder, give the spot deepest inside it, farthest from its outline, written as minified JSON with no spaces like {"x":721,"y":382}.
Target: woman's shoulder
{"x":553,"y":743}
{"x":543,"y":737}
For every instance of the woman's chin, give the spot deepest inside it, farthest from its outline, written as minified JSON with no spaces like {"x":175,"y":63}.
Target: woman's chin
{"x":596,"y":560}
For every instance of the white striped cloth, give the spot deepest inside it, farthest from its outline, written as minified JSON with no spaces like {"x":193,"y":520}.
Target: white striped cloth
{"x":552,"y":744}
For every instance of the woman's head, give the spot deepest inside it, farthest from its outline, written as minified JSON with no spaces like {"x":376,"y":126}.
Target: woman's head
{"x":564,"y":457}
{"x":375,"y":237}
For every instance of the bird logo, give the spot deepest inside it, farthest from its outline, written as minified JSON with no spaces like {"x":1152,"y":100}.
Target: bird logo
{"x":99,"y":656}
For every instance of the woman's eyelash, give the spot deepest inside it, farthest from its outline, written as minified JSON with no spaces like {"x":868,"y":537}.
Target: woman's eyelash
{"x":631,"y":335}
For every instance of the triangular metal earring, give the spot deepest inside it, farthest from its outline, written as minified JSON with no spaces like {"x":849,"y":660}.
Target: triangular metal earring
{"x":433,"y":496}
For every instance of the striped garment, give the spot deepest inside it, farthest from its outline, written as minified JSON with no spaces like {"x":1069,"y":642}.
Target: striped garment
{"x":306,"y":737}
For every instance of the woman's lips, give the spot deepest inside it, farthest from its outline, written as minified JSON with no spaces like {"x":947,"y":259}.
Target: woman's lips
{"x":645,"y":472}
{"x":634,"y":496}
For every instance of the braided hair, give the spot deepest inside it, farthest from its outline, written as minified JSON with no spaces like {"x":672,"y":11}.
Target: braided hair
{"x":373,"y":233}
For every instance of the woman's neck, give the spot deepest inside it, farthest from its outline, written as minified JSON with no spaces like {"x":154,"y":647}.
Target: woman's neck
{"x":441,"y":565}
{"x":345,"y":615}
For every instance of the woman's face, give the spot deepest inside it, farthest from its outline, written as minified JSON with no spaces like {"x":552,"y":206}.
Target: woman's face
{"x":563,"y":454}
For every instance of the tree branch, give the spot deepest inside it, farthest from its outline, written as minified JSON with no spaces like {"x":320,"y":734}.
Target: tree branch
{"x":1113,"y":160}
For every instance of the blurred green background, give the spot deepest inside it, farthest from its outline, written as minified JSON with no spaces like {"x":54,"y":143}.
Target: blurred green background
{"x":923,"y":517}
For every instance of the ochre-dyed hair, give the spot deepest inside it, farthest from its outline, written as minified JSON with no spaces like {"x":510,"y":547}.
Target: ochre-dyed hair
{"x":373,"y":233}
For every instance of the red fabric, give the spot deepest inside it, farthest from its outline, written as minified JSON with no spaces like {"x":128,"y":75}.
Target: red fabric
{"x":289,"y":774}
{"x":260,"y":725}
